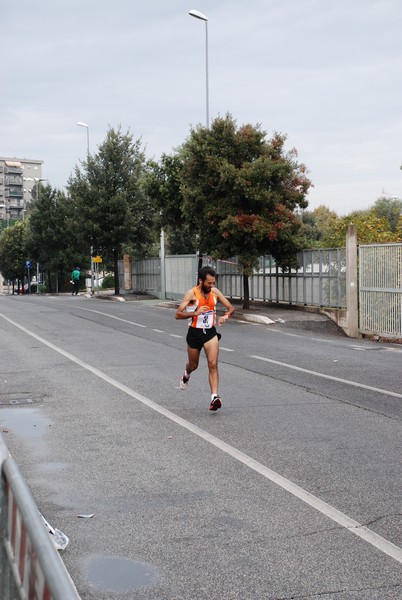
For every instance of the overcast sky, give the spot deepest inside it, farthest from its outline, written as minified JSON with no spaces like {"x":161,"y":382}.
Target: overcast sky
{"x":325,"y":73}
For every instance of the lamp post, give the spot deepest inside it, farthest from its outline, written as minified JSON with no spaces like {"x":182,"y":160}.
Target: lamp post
{"x":81,"y":124}
{"x":86,"y":126}
{"x":198,"y":15}
{"x":37,"y":180}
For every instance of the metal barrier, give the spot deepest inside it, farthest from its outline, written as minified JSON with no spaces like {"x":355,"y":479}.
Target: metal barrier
{"x":30,"y":567}
{"x":320,"y":279}
{"x":380,"y":286}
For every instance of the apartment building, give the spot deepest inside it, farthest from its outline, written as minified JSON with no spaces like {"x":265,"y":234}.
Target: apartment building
{"x":17,"y":179}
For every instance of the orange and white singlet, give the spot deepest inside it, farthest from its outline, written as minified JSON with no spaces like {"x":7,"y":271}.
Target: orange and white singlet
{"x":207,"y":319}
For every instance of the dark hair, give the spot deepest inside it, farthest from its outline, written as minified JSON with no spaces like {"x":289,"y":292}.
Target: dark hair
{"x":202,"y":273}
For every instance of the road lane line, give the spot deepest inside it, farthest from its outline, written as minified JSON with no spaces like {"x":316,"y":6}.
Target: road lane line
{"x":298,"y":492}
{"x":331,"y":377}
{"x":98,"y":312}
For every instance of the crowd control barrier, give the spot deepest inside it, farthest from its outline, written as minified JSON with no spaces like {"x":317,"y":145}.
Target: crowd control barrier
{"x":30,"y":567}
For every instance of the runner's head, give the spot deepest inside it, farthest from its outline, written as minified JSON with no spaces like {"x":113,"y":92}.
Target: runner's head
{"x":206,"y":279}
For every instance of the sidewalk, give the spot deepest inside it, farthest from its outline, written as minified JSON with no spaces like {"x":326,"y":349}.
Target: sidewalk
{"x":272,"y":315}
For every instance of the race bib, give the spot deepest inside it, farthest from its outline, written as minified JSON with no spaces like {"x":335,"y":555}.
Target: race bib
{"x":206,"y":320}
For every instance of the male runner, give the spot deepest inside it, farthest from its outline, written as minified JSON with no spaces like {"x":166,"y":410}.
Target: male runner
{"x":199,"y":306}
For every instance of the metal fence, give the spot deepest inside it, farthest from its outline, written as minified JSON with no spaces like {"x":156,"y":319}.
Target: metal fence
{"x":380,"y":289}
{"x":320,"y":279}
{"x":30,"y":567}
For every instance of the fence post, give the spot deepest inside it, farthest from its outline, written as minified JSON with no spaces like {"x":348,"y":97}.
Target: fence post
{"x":352,"y":307}
{"x":127,"y":270}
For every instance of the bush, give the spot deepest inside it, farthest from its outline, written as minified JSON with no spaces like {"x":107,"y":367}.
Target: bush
{"x":108,"y":282}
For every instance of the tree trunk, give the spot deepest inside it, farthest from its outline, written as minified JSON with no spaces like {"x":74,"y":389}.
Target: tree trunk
{"x":116,"y":272}
{"x":246,"y":295}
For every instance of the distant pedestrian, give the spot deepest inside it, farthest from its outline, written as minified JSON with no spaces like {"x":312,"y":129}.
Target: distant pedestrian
{"x":199,"y":306}
{"x":75,"y":278}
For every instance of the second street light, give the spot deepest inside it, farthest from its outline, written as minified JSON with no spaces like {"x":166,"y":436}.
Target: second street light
{"x":198,"y":15}
{"x":81,"y":124}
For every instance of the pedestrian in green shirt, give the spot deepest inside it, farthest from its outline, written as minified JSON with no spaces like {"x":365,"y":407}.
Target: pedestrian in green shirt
{"x":75,"y":278}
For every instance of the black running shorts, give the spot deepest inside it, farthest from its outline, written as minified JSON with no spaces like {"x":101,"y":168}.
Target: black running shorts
{"x":196,"y":338}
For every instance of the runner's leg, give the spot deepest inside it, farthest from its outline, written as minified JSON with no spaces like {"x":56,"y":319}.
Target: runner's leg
{"x":193,"y":359}
{"x":212,"y":352}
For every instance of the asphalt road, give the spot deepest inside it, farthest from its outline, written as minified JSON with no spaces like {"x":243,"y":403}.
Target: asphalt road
{"x":291,"y":490}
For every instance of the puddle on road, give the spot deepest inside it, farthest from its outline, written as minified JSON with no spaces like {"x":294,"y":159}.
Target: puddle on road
{"x":107,"y":573}
{"x":25,"y":422}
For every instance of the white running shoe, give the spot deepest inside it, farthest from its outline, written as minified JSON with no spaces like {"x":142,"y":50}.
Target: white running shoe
{"x":184,"y":382}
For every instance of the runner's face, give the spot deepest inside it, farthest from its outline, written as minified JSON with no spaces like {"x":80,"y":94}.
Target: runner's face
{"x":208,"y":284}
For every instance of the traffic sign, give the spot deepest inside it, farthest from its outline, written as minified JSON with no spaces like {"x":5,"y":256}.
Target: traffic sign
{"x":97,"y":259}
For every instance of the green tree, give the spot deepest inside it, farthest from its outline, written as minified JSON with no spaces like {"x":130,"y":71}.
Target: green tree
{"x":50,"y":239}
{"x":389,"y":209}
{"x":13,"y":254}
{"x":163,"y":186}
{"x":242,"y":192}
{"x":398,"y":230}
{"x":316,"y":225}
{"x":112,"y":207}
{"x":370,"y":229}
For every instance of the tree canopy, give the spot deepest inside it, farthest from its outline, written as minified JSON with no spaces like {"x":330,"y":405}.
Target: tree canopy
{"x":12,"y":251}
{"x":49,"y":235}
{"x":163,"y":185}
{"x":242,"y":191}
{"x":111,"y":206}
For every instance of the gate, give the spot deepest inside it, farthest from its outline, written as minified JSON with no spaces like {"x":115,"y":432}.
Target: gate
{"x":380,"y":289}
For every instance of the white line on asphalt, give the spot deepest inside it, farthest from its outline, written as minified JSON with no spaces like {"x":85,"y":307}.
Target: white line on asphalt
{"x":158,"y":330}
{"x":226,"y":349}
{"x":176,"y":336}
{"x":329,"y":511}
{"x":98,"y":312}
{"x":317,"y":374}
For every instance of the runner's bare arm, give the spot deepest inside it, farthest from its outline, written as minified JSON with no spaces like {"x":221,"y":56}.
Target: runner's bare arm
{"x":223,"y":300}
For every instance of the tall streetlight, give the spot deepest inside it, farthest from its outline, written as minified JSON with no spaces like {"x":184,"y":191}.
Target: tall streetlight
{"x":197,"y":15}
{"x":81,"y":124}
{"x":37,"y":181}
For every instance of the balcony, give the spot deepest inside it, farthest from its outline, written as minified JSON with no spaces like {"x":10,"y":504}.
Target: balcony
{"x":14,"y":193}
{"x":13,"y":170}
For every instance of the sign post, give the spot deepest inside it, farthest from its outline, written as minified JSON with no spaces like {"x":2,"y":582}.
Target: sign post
{"x":28,"y":266}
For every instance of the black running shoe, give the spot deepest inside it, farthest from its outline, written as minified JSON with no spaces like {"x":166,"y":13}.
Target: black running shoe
{"x":215,"y":404}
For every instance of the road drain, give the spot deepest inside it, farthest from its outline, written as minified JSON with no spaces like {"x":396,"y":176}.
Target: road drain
{"x":15,"y":401}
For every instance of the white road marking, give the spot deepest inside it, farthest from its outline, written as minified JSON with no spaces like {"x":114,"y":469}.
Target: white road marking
{"x":180,"y":337}
{"x":158,"y":330}
{"x":226,"y":349}
{"x":326,"y":509}
{"x":98,"y":312}
{"x":331,"y":377}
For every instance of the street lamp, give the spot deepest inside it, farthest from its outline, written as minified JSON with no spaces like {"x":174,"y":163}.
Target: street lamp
{"x":81,"y":124}
{"x":37,"y":181}
{"x":197,"y":15}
